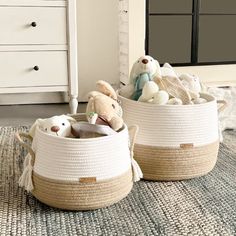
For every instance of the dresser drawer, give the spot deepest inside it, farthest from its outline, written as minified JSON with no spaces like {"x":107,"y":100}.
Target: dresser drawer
{"x":27,"y":69}
{"x":32,"y":25}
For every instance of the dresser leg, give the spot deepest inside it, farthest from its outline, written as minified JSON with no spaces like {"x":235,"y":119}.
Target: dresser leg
{"x":73,"y":104}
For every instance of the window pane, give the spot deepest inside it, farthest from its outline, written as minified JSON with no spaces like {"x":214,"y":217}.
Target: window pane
{"x":170,"y":38}
{"x":218,"y":6}
{"x":170,"y":6}
{"x":217,"y":38}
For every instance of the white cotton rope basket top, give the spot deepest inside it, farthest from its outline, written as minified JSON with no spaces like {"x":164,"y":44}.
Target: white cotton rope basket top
{"x":172,"y":125}
{"x":71,"y":159}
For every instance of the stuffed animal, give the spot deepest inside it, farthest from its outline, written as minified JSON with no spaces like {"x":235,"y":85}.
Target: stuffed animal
{"x":104,"y":105}
{"x":145,"y":64}
{"x":143,"y":70}
{"x":151,"y":93}
{"x":192,"y":83}
{"x":56,"y":125}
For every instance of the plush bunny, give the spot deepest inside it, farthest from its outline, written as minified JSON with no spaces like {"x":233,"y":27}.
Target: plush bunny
{"x":145,"y":64}
{"x":143,"y":70}
{"x":56,"y":125}
{"x":103,"y":107}
{"x":191,"y":82}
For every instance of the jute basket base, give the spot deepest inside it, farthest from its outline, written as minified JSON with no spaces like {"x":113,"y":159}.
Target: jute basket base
{"x":169,"y":164}
{"x":81,"y":196}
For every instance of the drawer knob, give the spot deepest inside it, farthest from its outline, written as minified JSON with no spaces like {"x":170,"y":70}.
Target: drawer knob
{"x":33,"y":24}
{"x":36,"y":68}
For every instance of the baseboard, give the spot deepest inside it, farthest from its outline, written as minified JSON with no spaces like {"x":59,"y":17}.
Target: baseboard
{"x":33,"y":98}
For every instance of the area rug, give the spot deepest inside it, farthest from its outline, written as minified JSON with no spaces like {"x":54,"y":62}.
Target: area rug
{"x":201,"y":206}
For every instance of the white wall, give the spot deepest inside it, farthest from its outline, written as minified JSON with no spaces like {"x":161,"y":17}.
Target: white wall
{"x":97,"y":43}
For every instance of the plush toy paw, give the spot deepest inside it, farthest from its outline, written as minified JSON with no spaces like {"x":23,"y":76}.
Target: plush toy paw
{"x":161,"y":97}
{"x":116,"y":123}
{"x":149,"y":89}
{"x":175,"y":101}
{"x":127,"y":91}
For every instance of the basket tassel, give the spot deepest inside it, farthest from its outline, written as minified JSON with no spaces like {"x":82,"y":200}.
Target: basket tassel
{"x":137,"y":172}
{"x":26,"y":177}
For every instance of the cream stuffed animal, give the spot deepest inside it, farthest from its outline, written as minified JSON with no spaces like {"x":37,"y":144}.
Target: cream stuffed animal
{"x":56,"y":125}
{"x":103,"y":107}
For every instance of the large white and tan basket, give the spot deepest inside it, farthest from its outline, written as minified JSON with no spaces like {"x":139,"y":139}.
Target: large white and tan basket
{"x":175,"y":142}
{"x":82,"y":174}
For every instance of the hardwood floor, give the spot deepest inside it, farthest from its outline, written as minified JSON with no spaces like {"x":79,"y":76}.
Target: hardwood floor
{"x":16,"y":115}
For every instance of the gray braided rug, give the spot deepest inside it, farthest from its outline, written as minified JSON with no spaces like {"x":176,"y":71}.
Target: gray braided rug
{"x":202,"y":206}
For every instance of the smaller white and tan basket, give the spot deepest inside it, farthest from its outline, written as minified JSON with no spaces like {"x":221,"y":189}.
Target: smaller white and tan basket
{"x":175,"y":142}
{"x":82,"y":174}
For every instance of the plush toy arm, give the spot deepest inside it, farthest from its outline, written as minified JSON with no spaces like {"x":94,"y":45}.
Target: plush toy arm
{"x":116,"y":123}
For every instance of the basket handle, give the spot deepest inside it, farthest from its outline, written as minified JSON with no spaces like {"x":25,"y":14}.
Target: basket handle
{"x":222,"y":105}
{"x":137,"y":172}
{"x":19,"y":137}
{"x":133,"y":131}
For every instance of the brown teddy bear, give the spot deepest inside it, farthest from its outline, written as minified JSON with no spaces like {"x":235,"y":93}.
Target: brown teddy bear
{"x":103,"y":106}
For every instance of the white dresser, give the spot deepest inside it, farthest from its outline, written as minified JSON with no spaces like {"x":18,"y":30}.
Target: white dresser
{"x":38,"y":48}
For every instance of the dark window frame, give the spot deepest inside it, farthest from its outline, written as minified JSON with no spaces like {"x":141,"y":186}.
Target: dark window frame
{"x":195,"y":33}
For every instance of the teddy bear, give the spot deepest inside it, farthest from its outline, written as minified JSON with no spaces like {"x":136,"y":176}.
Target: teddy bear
{"x":56,"y":125}
{"x":103,"y":106}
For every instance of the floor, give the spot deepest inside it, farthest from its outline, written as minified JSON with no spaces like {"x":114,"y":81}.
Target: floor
{"x":26,"y":114}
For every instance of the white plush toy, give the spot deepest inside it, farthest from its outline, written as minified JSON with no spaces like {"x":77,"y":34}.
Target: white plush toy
{"x":152,"y":94}
{"x":56,"y":125}
{"x":191,"y":82}
{"x":145,"y":64}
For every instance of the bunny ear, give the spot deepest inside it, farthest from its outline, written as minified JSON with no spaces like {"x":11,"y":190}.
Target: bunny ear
{"x":133,"y":73}
{"x":37,"y":123}
{"x":158,"y":69}
{"x":106,"y":89}
{"x":93,"y":94}
{"x":69,"y":118}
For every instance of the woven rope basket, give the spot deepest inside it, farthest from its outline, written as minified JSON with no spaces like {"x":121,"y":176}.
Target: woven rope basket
{"x":81,"y":174}
{"x":175,"y":142}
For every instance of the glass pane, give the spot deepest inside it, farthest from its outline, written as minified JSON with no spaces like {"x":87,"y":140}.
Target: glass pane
{"x":170,"y":6}
{"x":218,"y":6}
{"x":170,"y":38}
{"x":217,"y":38}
